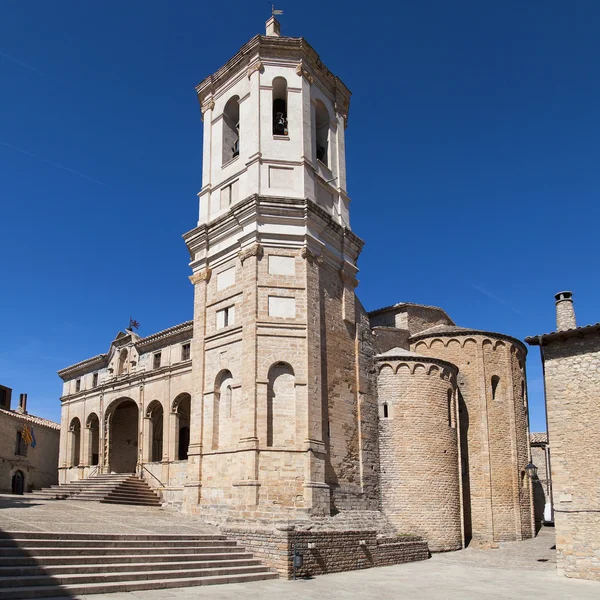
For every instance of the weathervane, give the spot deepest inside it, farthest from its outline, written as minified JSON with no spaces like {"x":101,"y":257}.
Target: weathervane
{"x":133,"y":324}
{"x":275,"y":11}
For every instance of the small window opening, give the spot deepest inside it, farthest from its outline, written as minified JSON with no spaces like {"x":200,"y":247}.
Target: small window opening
{"x":523,"y":394}
{"x":231,"y":129}
{"x":280,"y":118}
{"x":78,"y":385}
{"x":157,"y":358}
{"x":95,"y":380}
{"x":386,"y":412}
{"x":495,"y":382}
{"x":185,"y":352}
{"x":225,"y":317}
{"x":21,"y":446}
{"x":322,"y":132}
{"x":450,"y":411}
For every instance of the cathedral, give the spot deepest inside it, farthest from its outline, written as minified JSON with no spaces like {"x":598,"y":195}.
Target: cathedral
{"x":283,"y":399}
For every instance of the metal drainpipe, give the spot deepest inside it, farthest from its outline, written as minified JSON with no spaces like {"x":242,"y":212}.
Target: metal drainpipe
{"x":543,"y":359}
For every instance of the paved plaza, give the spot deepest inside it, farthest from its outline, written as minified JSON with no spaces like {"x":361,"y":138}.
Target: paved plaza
{"x":514,"y":570}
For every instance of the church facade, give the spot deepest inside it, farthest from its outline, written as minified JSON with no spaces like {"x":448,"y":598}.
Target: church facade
{"x":283,"y":398}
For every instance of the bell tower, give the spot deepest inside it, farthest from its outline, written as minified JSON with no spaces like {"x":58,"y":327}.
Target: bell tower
{"x":274,"y":120}
{"x":280,"y":399}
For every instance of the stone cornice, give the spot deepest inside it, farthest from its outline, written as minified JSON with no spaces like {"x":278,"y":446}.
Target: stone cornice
{"x":420,"y":359}
{"x":85,"y":366}
{"x":468,"y":332}
{"x":287,"y":48}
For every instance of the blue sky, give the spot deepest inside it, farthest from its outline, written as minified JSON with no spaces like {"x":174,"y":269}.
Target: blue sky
{"x":472,"y":153}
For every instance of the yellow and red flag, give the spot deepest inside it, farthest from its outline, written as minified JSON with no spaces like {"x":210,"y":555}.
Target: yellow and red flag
{"x":26,"y":435}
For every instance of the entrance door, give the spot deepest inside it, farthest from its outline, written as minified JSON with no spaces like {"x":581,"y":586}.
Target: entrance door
{"x":123,"y":437}
{"x":18,"y":483}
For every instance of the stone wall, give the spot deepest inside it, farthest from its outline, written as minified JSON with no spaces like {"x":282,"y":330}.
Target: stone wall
{"x":419,"y":450}
{"x":333,"y":551}
{"x":572,"y":368}
{"x":39,"y":466}
{"x":494,"y":431}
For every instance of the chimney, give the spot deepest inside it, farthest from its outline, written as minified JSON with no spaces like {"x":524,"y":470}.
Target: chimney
{"x":565,"y":314}
{"x":22,"y":408}
{"x":273,"y":27}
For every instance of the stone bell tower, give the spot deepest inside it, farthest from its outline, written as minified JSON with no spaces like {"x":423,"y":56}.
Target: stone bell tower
{"x":280,"y":396}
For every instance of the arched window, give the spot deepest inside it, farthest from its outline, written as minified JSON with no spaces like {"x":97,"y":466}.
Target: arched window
{"x":281,"y":405}
{"x":386,"y":410}
{"x":222,"y":398}
{"x":122,"y":362}
{"x":280,"y":117}
{"x":322,"y":132}
{"x":155,"y":416}
{"x":495,"y":383}
{"x":75,"y":431}
{"x":231,"y":129}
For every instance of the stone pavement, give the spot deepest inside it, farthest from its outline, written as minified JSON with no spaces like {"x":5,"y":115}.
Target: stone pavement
{"x":514,"y":570}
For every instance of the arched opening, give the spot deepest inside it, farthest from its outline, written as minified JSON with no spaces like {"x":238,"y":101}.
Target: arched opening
{"x":18,"y":483}
{"x":122,"y":432}
{"x":155,"y":415}
{"x":495,"y":383}
{"x":386,"y":411}
{"x":75,"y":442}
{"x":280,"y":117}
{"x":93,"y":439}
{"x":322,"y":132}
{"x":182,"y":408}
{"x":122,"y":362}
{"x":281,"y":405}
{"x":222,"y":399}
{"x":231,"y":129}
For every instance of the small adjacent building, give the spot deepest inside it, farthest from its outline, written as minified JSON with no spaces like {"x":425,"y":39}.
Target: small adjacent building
{"x":28,"y":447}
{"x":571,"y":362}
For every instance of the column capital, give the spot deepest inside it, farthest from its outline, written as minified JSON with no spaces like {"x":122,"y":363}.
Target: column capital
{"x":255,"y":250}
{"x":201,"y":276}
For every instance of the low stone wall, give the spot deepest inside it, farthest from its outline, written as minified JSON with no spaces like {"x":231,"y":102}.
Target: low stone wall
{"x":329,"y":551}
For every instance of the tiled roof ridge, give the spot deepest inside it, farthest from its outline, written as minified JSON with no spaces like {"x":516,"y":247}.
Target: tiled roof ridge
{"x":31,"y":418}
{"x":401,"y":304}
{"x":82,"y":363}
{"x":165,"y":332}
{"x":533,"y":340}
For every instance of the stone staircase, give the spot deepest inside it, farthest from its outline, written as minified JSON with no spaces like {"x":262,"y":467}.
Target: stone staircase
{"x":124,"y":488}
{"x":36,"y":565}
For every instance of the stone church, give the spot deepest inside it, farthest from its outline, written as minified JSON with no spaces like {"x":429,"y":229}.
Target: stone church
{"x":283,"y":398}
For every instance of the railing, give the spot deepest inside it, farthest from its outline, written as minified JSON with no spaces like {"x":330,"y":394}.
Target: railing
{"x":93,"y":472}
{"x":153,"y":475}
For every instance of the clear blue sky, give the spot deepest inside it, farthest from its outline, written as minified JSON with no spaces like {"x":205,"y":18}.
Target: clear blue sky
{"x":473,"y":153}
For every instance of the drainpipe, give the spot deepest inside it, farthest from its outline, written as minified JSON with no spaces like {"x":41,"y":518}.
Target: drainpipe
{"x":543,"y":359}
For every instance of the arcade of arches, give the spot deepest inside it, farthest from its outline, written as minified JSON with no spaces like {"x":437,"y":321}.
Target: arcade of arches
{"x":122,"y":428}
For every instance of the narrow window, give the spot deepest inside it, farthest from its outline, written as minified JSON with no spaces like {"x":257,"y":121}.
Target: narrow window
{"x":495,"y":382}
{"x":231,"y":129}
{"x":523,"y":396}
{"x":95,"y":380}
{"x":280,"y":120}
{"x":185,"y":352}
{"x":225,"y":317}
{"x":156,"y":363}
{"x":322,"y":132}
{"x":386,"y":412}
{"x":78,"y":385}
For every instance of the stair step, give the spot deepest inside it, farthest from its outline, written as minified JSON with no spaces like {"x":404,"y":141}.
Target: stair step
{"x":55,"y":535}
{"x":34,"y":544}
{"x":94,"y":551}
{"x":138,"y":575}
{"x":110,"y":559}
{"x":52,"y":570}
{"x":97,"y":588}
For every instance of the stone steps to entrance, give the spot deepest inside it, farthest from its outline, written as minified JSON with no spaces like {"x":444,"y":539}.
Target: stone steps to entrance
{"x":36,"y":565}
{"x":110,"y":488}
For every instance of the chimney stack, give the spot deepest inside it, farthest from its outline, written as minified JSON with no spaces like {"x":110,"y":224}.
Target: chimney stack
{"x":273,"y":27}
{"x":22,"y":404}
{"x":565,"y":313}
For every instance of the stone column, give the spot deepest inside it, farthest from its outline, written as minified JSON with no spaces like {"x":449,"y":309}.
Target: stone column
{"x":192,"y":491}
{"x":316,"y":491}
{"x":247,"y":483}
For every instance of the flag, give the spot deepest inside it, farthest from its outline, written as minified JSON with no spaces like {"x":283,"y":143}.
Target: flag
{"x":26,"y":435}
{"x":33,"y":440}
